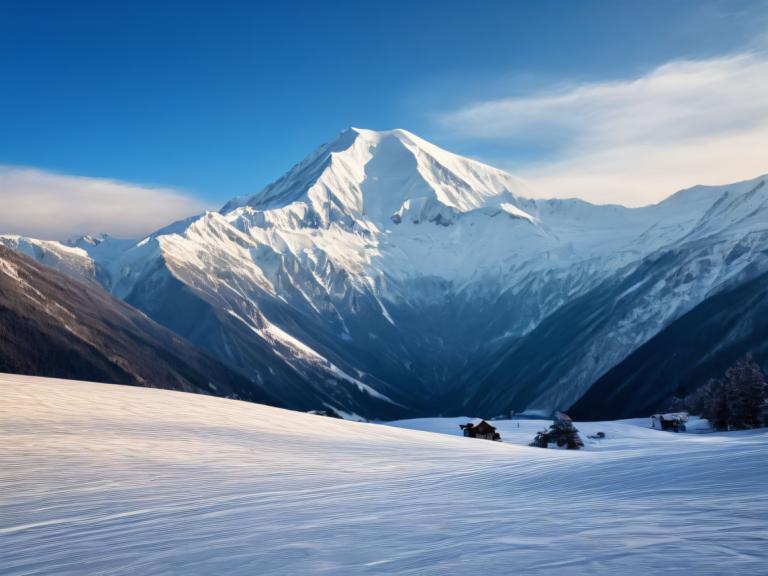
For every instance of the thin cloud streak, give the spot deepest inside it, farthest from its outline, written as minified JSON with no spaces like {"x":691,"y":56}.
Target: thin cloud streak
{"x":634,"y":142}
{"x":56,"y":206}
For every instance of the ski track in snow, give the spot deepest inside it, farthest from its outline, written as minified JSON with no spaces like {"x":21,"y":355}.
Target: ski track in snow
{"x":104,"y":479}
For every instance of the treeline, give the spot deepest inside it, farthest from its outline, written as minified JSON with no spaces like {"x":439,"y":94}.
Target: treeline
{"x":736,"y":401}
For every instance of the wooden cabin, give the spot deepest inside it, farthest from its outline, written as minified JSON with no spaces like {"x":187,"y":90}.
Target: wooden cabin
{"x":673,"y":421}
{"x":482,"y":430}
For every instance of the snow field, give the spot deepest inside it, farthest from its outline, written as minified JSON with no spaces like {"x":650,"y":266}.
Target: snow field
{"x":104,"y":479}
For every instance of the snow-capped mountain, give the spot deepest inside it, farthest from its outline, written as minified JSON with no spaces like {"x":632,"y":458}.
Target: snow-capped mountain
{"x":391,"y":276}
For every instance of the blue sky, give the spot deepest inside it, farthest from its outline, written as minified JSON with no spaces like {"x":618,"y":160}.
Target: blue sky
{"x":211,"y":100}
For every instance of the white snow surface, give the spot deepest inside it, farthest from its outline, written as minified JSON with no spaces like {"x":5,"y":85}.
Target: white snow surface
{"x":69,"y":259}
{"x":106,"y":479}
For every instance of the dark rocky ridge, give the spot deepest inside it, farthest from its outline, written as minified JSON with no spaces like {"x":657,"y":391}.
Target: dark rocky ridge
{"x":700,"y":345}
{"x":52,"y":325}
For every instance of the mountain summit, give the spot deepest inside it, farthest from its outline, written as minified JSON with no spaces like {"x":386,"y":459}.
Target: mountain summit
{"x":370,"y":178}
{"x":383,"y":277}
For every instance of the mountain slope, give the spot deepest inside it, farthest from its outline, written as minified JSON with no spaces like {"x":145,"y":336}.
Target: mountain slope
{"x":572,"y":348}
{"x":373,"y":249}
{"x":55,"y":326}
{"x":700,"y":345}
{"x":383,"y":276}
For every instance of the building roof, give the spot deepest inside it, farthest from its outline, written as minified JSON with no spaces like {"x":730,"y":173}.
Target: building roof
{"x":484,"y":428}
{"x":682,"y":416}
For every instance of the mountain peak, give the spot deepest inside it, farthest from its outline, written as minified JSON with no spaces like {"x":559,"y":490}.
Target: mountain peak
{"x":369,"y":175}
{"x":371,"y":134}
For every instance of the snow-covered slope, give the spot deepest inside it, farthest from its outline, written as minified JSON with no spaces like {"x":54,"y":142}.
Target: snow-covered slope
{"x":373,"y":174}
{"x":394,"y":275}
{"x":557,"y":362}
{"x":700,"y":345}
{"x":70,"y":260}
{"x":117,"y":480}
{"x":54,"y":325}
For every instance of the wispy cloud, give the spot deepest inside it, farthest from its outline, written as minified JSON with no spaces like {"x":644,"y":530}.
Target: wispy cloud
{"x":55,"y":206}
{"x":636,"y":141}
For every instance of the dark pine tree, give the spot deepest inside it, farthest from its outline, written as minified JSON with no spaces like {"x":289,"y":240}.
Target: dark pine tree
{"x":562,"y":432}
{"x":736,"y":401}
{"x":717,"y":409}
{"x":746,"y":394}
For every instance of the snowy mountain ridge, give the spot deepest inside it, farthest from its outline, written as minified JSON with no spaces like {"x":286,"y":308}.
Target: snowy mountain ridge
{"x":371,"y":175}
{"x":389,"y":271}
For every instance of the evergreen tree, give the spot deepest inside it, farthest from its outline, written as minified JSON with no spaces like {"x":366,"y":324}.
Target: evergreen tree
{"x":697,"y":402}
{"x":718,"y":412}
{"x":562,"y":432}
{"x":738,"y":400}
{"x":746,"y":393}
{"x":676,"y":404}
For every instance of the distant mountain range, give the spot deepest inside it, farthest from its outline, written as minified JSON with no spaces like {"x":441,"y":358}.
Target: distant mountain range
{"x":384,"y":277}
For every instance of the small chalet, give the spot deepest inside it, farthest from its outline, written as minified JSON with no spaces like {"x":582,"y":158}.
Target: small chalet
{"x":673,"y":421}
{"x":482,"y":430}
